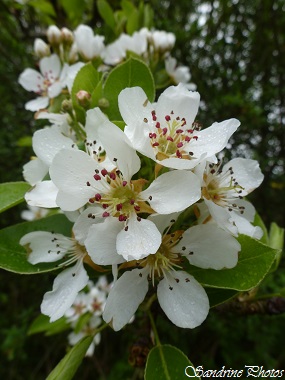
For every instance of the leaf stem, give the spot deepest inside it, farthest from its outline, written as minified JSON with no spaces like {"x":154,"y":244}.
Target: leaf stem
{"x":157,"y":340}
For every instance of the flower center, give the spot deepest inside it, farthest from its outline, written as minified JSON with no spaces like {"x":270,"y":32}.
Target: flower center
{"x":120,"y":198}
{"x":171,"y":138}
{"x":221,"y":187}
{"x":164,"y":260}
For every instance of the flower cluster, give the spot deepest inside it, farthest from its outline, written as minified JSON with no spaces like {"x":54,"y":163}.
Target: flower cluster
{"x":88,"y":307}
{"x":62,"y":58}
{"x":148,"y":200}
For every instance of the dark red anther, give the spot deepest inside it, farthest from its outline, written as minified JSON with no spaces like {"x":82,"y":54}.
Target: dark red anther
{"x":169,"y":138}
{"x":164,"y":131}
{"x":98,"y":197}
{"x":105,"y":214}
{"x":122,"y":218}
{"x":119,"y":207}
{"x":155,"y":144}
{"x":167,"y":118}
{"x":154,"y":118}
{"x":124,"y":183}
{"x":97,"y":177}
{"x":157,"y":124}
{"x":104,"y":205}
{"x":179,"y":131}
{"x":195,"y":138}
{"x":132,"y":201}
{"x":91,"y":200}
{"x":112,"y":175}
{"x":104,"y":172}
{"x":137,"y":208}
{"x":187,"y":138}
{"x":180,"y":144}
{"x":178,"y":154}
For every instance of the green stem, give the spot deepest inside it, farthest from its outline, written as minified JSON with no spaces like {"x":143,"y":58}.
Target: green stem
{"x":157,"y":340}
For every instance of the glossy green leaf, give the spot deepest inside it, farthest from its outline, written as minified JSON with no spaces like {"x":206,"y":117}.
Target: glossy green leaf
{"x":276,"y":240}
{"x":42,"y":325}
{"x":68,"y":366}
{"x":166,"y":362}
{"x":131,"y":73}
{"x":12,"y":193}
{"x":106,"y":12}
{"x":13,"y":257}
{"x":255,"y":261}
{"x":86,"y":79}
{"x":218,"y":296}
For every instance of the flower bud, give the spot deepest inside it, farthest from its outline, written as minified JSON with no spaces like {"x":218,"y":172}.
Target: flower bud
{"x":83,"y":98}
{"x":54,"y":35}
{"x":66,"y":105}
{"x":67,"y":36}
{"x":103,"y":103}
{"x":41,"y":49}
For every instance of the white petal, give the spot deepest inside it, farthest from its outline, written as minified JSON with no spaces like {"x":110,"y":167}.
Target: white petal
{"x":213,"y":139}
{"x":83,"y":222}
{"x":163,"y":221}
{"x":43,"y":194}
{"x":101,"y":242}
{"x":125,"y":297}
{"x":31,"y":80}
{"x":71,"y":170}
{"x":37,"y":104}
{"x":173,"y":191}
{"x":50,"y":66}
{"x":117,"y":146}
{"x":180,"y":164}
{"x":55,"y":89}
{"x":66,"y":286}
{"x":48,"y":142}
{"x":210,"y":247}
{"x":71,"y":74}
{"x":181,"y":101}
{"x":245,"y":227}
{"x":34,"y":171}
{"x":246,"y":172}
{"x":184,"y":302}
{"x":69,"y":202}
{"x":43,"y":247}
{"x":134,"y":106}
{"x":140,"y":240}
{"x":222,"y":216}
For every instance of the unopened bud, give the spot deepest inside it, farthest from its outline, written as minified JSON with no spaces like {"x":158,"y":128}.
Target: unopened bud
{"x":41,"y":49}
{"x":67,"y":36}
{"x":66,"y":105}
{"x":83,"y":98}
{"x":103,"y":103}
{"x":73,"y":54}
{"x":54,"y":35}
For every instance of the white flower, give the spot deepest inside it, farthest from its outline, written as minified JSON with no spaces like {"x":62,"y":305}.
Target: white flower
{"x":88,"y":45}
{"x":181,"y":297}
{"x":49,"y":82}
{"x":88,"y":329}
{"x":161,"y":40}
{"x":166,"y":131}
{"x":223,"y":190}
{"x":47,"y":247}
{"x":34,"y":213}
{"x":178,"y":74}
{"x":54,"y":35}
{"x":116,"y":51}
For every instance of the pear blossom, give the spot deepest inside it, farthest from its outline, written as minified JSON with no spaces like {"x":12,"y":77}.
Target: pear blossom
{"x":223,"y":189}
{"x":115,"y":52}
{"x":166,"y":131}
{"x":181,"y":297}
{"x":49,"y":82}
{"x":88,"y":45}
{"x":41,"y":49}
{"x":162,"y":41}
{"x":48,"y":247}
{"x":178,"y":74}
{"x":54,"y":35}
{"x":87,"y":329}
{"x":82,"y":180}
{"x":34,"y":213}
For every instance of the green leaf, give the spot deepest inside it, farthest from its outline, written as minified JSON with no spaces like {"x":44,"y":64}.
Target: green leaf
{"x":13,"y":257}
{"x":68,"y":366}
{"x":255,"y":261}
{"x":86,"y":79}
{"x":259,"y":222}
{"x":43,"y":6}
{"x":107,"y":13}
{"x":74,"y":9}
{"x":168,"y":363}
{"x":131,"y":73}
{"x":42,"y":324}
{"x":276,"y":241}
{"x":217,"y":296}
{"x":12,"y":193}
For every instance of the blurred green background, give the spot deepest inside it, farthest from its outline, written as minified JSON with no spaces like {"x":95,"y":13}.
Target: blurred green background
{"x":236,"y":53}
